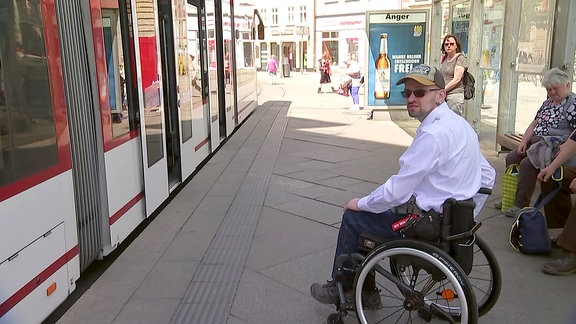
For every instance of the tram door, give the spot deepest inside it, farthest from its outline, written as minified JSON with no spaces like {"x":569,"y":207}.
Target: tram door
{"x":171,"y":91}
{"x":152,"y":119}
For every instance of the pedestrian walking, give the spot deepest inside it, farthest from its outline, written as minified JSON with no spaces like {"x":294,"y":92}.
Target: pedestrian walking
{"x":325,"y":71}
{"x":272,"y":68}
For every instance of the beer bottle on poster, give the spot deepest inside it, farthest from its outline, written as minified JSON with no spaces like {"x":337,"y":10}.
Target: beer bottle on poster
{"x":382,"y":71}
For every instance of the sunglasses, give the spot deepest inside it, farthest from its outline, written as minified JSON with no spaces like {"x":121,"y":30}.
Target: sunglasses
{"x":449,"y":44}
{"x":418,"y":93}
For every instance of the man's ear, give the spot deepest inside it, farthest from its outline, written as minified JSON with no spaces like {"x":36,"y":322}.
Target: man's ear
{"x":441,"y":95}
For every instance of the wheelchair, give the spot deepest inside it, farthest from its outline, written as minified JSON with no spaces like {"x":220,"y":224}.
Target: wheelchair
{"x":455,"y":278}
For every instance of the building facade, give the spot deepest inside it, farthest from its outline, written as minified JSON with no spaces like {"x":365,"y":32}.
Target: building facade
{"x":299,"y":31}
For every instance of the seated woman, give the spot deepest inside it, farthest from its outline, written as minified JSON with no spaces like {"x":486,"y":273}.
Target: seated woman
{"x":556,"y":117}
{"x":559,"y":211}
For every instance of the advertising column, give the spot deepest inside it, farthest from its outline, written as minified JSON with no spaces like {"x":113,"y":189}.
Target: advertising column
{"x":396,"y":43}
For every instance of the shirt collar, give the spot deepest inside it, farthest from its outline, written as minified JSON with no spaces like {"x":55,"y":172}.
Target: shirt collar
{"x":434,"y":115}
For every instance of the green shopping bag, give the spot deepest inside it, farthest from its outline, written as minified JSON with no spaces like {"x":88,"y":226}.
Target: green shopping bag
{"x":509,"y":184}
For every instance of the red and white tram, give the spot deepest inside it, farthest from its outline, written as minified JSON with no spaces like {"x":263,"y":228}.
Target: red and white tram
{"x":106,"y":107}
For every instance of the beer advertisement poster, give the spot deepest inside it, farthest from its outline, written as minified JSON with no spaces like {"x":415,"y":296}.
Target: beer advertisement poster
{"x":396,"y":43}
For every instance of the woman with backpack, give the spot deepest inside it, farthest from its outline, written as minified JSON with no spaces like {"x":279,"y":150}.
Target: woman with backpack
{"x":453,"y":64}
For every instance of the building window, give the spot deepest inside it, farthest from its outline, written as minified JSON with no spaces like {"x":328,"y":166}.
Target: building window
{"x":330,"y":43}
{"x":274,"y":16}
{"x":290,"y":15}
{"x":263,"y":15}
{"x":303,"y":18}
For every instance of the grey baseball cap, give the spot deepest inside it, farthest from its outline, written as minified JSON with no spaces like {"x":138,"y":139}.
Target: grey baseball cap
{"x":425,"y":74}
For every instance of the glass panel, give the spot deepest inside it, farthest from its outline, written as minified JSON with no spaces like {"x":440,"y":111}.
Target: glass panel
{"x":492,"y":27}
{"x":532,"y":59}
{"x":534,"y":36}
{"x":149,"y":63}
{"x":211,"y":32}
{"x":122,"y":114}
{"x":185,"y":41}
{"x":461,"y":23}
{"x":27,"y":129}
{"x":530,"y":96}
{"x":229,"y":53}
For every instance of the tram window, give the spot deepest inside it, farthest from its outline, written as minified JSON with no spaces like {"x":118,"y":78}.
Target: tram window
{"x":27,"y":129}
{"x":187,"y":41}
{"x":120,"y":110}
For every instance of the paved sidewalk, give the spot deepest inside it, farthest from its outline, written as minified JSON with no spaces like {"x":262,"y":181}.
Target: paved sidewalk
{"x":243,"y":241}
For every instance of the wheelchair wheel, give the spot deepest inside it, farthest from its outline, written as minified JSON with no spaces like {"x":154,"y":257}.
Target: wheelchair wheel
{"x":485,"y":277}
{"x":415,"y":282}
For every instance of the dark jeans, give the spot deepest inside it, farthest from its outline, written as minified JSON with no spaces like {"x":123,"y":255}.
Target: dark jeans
{"x":356,"y":222}
{"x":559,"y":211}
{"x":527,"y":174}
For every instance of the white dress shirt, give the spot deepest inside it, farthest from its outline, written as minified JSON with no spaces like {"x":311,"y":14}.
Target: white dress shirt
{"x":444,"y":161}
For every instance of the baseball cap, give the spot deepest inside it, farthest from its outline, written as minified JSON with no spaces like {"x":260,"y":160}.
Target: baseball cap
{"x":427,"y":75}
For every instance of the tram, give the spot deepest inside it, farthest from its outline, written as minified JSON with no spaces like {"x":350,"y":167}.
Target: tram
{"x":107,"y":107}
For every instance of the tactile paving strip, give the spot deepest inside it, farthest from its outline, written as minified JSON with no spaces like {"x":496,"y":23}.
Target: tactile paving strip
{"x":211,"y":293}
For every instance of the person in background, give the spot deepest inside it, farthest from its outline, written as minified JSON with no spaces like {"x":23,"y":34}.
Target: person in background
{"x":556,"y":117}
{"x":353,"y":71}
{"x":444,"y":161}
{"x":452,"y":67}
{"x":272,"y":68}
{"x":560,"y":213}
{"x":195,"y":72}
{"x":325,"y":71}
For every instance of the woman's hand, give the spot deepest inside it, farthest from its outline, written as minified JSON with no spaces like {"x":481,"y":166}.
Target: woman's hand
{"x":545,"y":174}
{"x":521,"y":150}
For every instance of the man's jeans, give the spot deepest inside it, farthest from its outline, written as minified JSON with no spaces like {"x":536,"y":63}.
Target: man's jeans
{"x":356,"y":222}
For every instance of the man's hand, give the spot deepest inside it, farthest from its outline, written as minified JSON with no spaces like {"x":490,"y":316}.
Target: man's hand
{"x":353,"y":204}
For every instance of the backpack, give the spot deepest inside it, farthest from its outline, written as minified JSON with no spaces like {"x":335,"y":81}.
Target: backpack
{"x":468,"y":82}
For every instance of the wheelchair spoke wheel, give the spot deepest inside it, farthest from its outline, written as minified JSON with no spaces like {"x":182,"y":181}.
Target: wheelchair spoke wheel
{"x":485,"y":277}
{"x":408,"y":281}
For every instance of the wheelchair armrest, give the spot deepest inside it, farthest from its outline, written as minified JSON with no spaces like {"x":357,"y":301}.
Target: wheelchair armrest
{"x":485,"y":191}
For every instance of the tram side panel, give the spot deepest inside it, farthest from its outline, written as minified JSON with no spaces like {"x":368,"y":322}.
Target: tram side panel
{"x":247,"y":93}
{"x":125,"y":187}
{"x":39,"y":247}
{"x":39,"y":255}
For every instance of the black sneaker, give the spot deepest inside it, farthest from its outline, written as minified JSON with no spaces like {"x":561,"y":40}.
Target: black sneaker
{"x":370,"y":299}
{"x":325,"y":293}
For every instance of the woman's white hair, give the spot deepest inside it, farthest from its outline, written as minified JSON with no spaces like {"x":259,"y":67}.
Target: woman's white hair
{"x":554,"y":77}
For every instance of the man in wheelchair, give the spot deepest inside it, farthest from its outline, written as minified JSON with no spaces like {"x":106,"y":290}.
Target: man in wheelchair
{"x":444,"y":161}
